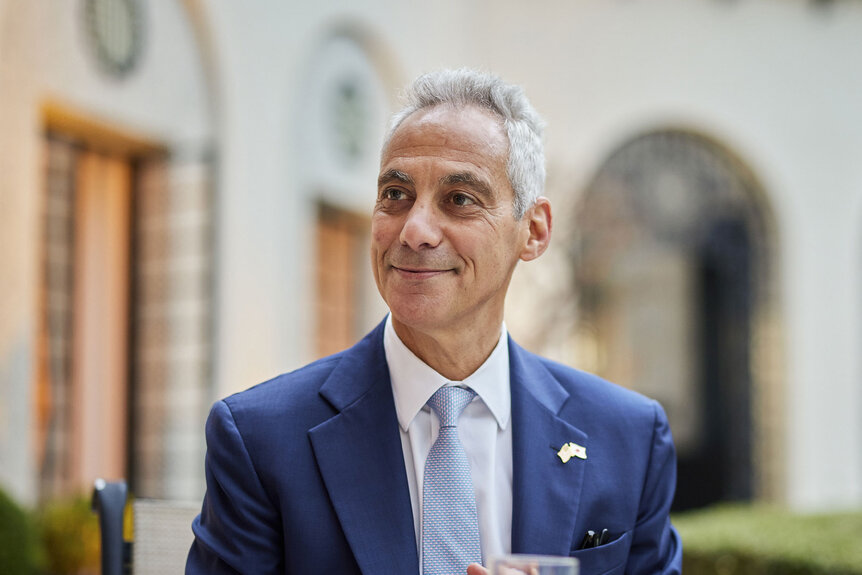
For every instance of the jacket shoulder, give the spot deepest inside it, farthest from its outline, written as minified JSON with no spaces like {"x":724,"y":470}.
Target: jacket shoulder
{"x":291,"y":388}
{"x":299,"y":390}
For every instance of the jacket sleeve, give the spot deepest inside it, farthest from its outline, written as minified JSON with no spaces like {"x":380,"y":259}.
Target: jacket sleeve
{"x":656,"y":546}
{"x":238,"y":529}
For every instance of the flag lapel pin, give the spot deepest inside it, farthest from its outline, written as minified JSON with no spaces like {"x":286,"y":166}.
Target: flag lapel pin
{"x":570,"y":450}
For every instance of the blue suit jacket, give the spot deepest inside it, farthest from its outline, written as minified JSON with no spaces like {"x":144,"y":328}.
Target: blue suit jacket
{"x":305,"y":473}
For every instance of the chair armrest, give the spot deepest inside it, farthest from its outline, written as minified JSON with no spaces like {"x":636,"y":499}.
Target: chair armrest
{"x":109,"y":502}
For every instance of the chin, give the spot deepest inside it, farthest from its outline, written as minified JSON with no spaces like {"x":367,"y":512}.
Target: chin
{"x":424,"y":316}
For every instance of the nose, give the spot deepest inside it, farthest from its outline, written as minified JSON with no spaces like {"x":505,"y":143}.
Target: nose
{"x":421,"y":228}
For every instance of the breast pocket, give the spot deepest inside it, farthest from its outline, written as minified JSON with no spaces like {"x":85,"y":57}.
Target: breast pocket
{"x":609,"y":559}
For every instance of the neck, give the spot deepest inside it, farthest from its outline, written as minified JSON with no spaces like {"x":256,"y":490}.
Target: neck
{"x":454,"y":354}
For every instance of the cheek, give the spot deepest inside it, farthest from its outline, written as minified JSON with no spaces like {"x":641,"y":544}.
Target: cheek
{"x":383,"y":231}
{"x":383,"y":238}
{"x":378,"y":244}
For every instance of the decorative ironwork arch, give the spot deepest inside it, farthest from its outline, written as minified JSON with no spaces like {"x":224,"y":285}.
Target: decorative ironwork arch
{"x":675,"y":270}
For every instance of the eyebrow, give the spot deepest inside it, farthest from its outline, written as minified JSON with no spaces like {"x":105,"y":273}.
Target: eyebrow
{"x":396,"y":175}
{"x":469,"y":178}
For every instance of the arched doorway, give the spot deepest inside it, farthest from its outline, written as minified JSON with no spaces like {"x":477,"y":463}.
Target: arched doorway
{"x":674,"y":272}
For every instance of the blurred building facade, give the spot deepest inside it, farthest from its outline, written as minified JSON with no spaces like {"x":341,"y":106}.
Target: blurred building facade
{"x":186,"y":185}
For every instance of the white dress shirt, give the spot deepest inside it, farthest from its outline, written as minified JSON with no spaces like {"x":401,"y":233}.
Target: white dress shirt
{"x":483,"y":428}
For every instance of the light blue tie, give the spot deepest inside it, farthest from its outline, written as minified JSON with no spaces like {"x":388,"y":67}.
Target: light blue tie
{"x":450,"y":524}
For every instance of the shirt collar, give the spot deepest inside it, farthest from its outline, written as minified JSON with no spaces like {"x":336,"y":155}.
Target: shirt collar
{"x":414,"y":381}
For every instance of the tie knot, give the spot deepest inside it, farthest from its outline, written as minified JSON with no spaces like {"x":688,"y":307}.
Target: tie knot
{"x":448,"y":402}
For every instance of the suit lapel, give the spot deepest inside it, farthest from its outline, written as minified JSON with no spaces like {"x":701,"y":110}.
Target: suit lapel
{"x":359,"y":455}
{"x":546,"y":491}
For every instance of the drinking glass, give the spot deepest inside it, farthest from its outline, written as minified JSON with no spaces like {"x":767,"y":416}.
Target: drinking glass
{"x":533,"y":565}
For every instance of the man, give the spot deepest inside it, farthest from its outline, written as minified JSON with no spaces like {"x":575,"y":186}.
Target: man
{"x":343,"y":466}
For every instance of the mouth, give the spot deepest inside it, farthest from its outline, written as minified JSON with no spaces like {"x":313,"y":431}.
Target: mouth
{"x":419,"y":273}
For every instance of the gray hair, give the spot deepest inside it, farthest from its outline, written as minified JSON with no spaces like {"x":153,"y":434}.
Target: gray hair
{"x":525,"y":166}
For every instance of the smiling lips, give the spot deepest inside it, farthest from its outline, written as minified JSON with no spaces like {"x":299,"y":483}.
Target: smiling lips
{"x":419,"y":273}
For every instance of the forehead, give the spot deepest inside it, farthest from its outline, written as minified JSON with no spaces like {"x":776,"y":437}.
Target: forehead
{"x":469,"y":134}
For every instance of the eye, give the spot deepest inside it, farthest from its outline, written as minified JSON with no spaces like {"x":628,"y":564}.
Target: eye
{"x":393,"y":194}
{"x":460,"y":199}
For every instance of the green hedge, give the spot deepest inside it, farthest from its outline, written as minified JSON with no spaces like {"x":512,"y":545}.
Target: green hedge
{"x":70,"y":532}
{"x":20,"y":548}
{"x":60,"y":538}
{"x":743,"y":540}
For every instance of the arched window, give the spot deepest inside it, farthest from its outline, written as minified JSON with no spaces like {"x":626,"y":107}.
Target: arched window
{"x":673,"y":271}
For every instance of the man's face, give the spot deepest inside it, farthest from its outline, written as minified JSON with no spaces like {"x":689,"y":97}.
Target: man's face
{"x":444,"y":239}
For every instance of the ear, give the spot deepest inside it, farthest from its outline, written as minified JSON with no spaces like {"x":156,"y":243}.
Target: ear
{"x":539,"y":219}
